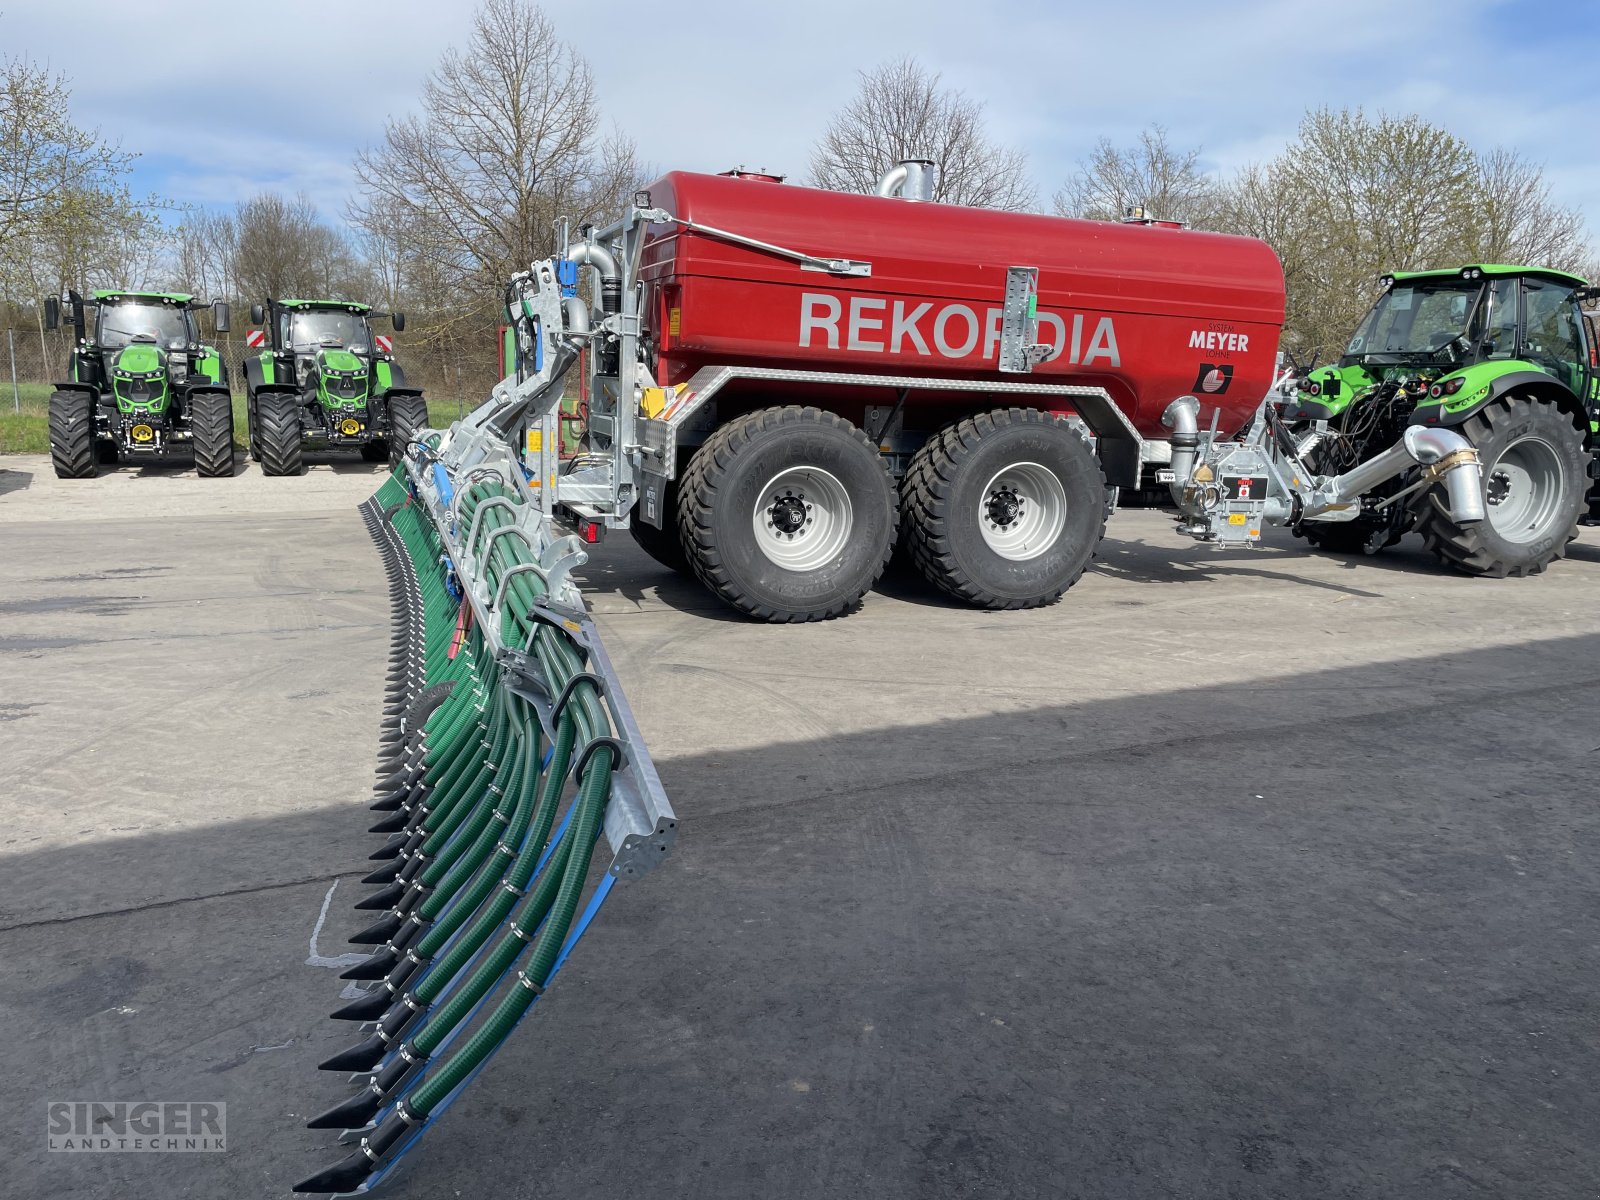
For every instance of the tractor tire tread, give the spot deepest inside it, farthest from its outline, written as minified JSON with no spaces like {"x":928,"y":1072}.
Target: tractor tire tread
{"x":71,"y":423}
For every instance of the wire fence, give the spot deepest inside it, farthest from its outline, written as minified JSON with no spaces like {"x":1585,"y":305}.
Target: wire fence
{"x":449,"y":374}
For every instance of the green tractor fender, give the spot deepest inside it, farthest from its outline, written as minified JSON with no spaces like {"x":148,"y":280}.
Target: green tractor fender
{"x":1486,"y":383}
{"x":387,"y":376}
{"x":263,"y":372}
{"x":72,"y":385}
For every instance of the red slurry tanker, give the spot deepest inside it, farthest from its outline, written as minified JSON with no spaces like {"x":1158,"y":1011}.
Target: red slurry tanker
{"x":783,"y":381}
{"x":1146,"y":310}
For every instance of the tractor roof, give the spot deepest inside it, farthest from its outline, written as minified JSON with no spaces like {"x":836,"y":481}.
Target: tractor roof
{"x":114,"y":294}
{"x":346,"y":305}
{"x":1490,"y":269}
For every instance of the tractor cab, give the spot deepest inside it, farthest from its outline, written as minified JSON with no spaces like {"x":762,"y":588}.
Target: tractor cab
{"x":1446,"y":337}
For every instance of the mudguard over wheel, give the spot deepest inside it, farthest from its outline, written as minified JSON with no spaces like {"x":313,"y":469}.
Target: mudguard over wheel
{"x":408,"y":416}
{"x":211,"y":432}
{"x":1535,"y":481}
{"x":72,"y":449}
{"x":1005,"y":508}
{"x":788,"y":514}
{"x":277,"y":434}
{"x":663,"y":545}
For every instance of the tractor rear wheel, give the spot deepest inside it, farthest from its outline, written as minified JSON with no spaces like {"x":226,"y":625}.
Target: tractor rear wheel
{"x":1535,"y":480}
{"x":408,"y":416}
{"x":788,"y":514}
{"x":211,"y":433}
{"x":1006,"y":508}
{"x":277,"y":434}
{"x":72,"y":448}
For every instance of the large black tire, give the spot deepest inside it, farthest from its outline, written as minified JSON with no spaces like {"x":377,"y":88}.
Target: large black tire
{"x":814,"y":558}
{"x":211,"y":431}
{"x":72,"y":449}
{"x":277,"y":434}
{"x":375,"y":452}
{"x":988,"y":473}
{"x":1535,"y":474}
{"x":408,"y":416}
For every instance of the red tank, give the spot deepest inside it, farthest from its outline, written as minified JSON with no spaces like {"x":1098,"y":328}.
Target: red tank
{"x":1147,"y":311}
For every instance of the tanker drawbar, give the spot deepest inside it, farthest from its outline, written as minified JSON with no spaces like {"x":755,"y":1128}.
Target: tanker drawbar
{"x":1226,"y":489}
{"x":508,"y":757}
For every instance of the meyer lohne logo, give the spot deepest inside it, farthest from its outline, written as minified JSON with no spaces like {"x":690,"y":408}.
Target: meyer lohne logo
{"x":1213,"y":378}
{"x":137,"y":1126}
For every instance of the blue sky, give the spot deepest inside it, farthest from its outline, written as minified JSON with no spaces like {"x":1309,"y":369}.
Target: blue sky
{"x":280,"y":95}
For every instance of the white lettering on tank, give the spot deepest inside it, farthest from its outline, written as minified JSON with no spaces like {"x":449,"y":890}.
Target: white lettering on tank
{"x":942,"y":323}
{"x":1077,"y":338}
{"x":1058,"y":341}
{"x":1197,"y":339}
{"x":818,"y":310}
{"x":991,"y":334}
{"x":859,"y":305}
{"x":1103,"y":344}
{"x":903,"y":325}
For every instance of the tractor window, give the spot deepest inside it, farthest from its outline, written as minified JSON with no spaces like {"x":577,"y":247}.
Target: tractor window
{"x":1500,"y":331}
{"x":120,"y":324}
{"x":1551,"y":339}
{"x":1415,"y":319}
{"x":327,"y":327}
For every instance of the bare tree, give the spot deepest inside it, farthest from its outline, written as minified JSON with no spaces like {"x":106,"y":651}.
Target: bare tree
{"x":205,"y":247}
{"x":508,"y":140}
{"x":1167,"y":183}
{"x":900,"y":112}
{"x":1517,"y":221}
{"x":283,"y":249}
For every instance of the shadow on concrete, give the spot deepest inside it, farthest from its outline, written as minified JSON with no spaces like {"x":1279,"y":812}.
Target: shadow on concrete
{"x":1241,"y":949}
{"x":14,"y":481}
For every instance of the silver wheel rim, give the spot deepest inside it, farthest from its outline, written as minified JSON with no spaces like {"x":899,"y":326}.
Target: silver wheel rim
{"x":1022,"y":511}
{"x":1524,"y":490}
{"x":803,"y":519}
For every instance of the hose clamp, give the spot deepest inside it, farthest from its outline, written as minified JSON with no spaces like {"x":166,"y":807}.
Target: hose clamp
{"x":536,"y":989}
{"x":514,"y":889}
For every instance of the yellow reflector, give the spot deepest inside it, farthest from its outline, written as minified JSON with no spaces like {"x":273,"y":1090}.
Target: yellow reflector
{"x":674,"y":320}
{"x":535,"y":441}
{"x":143,"y":433}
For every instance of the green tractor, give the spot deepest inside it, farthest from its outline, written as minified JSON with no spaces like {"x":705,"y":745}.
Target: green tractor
{"x":1505,"y":357}
{"x":325,"y":379}
{"x":142,"y":386}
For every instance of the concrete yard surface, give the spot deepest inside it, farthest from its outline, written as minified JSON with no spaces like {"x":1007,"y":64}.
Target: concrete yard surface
{"x":1244,"y":874}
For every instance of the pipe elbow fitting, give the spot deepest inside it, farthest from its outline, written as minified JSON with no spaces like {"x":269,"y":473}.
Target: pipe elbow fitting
{"x":596,"y":256}
{"x":1182,"y":416}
